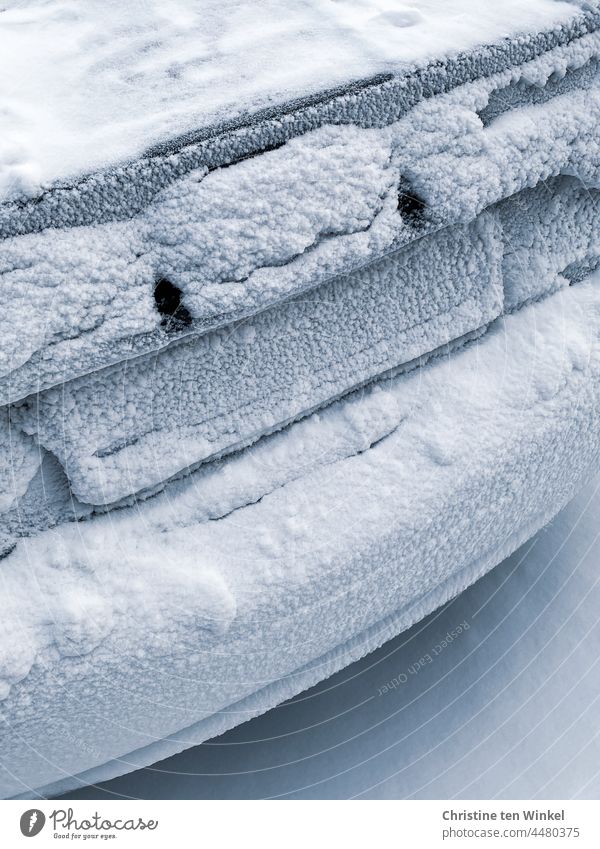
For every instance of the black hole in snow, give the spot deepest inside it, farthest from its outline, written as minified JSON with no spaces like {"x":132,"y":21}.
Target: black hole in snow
{"x":168,"y":302}
{"x":411,"y":206}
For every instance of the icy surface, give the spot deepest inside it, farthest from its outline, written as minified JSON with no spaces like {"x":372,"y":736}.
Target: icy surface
{"x":87,"y":85}
{"x":163,"y":619}
{"x":232,"y":241}
{"x":128,"y":429}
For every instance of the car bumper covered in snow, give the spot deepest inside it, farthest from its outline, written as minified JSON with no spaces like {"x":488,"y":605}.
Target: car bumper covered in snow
{"x":277,"y":389}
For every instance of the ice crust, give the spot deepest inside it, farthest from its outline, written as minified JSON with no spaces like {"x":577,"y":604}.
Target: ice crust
{"x":215,"y":393}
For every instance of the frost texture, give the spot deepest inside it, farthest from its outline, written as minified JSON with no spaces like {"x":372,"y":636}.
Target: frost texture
{"x":356,"y":247}
{"x":218,"y":392}
{"x":481,"y":450}
{"x":239,"y":239}
{"x":87,"y":85}
{"x":161,"y":414}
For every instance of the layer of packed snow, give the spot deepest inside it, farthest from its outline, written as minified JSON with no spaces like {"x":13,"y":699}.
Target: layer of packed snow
{"x":493,"y":696}
{"x":128,"y":628}
{"x":127,"y":429}
{"x":87,"y":85}
{"x":239,"y":239}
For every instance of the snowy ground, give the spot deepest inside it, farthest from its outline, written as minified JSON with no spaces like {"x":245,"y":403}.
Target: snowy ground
{"x":507,"y":708}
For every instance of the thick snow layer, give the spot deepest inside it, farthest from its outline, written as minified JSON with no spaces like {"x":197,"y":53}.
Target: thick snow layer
{"x":288,"y":360}
{"x":128,"y":628}
{"x":458,"y":163}
{"x":493,"y":696}
{"x":232,"y":240}
{"x":322,"y":344}
{"x":87,"y":85}
{"x":239,"y":239}
{"x":128,"y":429}
{"x":552,"y":238}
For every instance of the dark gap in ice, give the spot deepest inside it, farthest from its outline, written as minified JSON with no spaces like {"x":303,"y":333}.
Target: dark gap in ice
{"x":251,"y":154}
{"x":117,"y":446}
{"x":411,"y":206}
{"x":167,"y":298}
